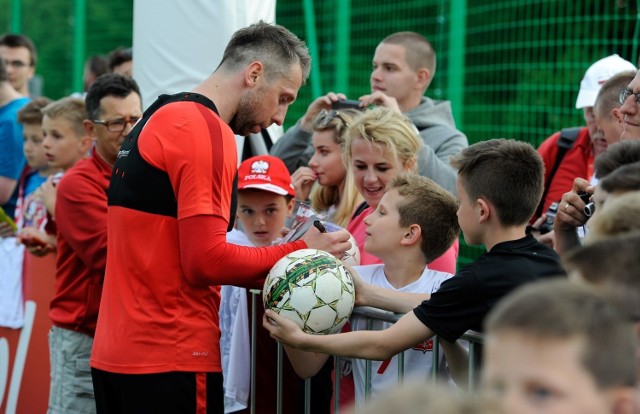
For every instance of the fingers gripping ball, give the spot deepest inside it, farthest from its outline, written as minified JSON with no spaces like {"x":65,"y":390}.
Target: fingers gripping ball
{"x":313,"y":289}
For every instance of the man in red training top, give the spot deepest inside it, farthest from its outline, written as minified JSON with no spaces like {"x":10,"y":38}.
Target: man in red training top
{"x":170,"y":205}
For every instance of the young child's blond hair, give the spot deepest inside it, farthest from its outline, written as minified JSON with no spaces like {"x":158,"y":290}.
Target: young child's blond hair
{"x":69,"y":108}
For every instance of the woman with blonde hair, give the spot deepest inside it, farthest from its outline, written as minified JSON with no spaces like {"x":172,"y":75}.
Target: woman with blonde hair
{"x":379,"y":145}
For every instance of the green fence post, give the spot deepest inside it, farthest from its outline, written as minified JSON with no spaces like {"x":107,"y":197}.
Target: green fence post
{"x":312,"y":43}
{"x":636,"y":33}
{"x":16,"y":16}
{"x":343,"y":45}
{"x":457,"y":35}
{"x":79,"y":40}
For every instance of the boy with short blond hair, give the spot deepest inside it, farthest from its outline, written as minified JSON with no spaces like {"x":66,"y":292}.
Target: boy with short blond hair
{"x":499,"y":186}
{"x":65,"y":141}
{"x":543,"y":352}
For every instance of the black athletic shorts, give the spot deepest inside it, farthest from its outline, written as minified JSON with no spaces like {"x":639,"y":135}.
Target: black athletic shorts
{"x":169,"y":392}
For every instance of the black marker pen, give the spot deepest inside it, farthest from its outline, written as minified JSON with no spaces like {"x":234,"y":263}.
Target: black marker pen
{"x":319,"y":226}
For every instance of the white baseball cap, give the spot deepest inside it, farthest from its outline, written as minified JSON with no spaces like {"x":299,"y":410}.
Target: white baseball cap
{"x":596,"y":75}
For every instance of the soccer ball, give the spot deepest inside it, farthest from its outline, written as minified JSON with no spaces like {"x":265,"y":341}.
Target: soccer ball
{"x":351,"y":256}
{"x":311,"y":288}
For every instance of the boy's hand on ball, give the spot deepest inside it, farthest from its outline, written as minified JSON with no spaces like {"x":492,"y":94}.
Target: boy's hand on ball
{"x":335,"y":243}
{"x":359,"y":285}
{"x":281,"y":329}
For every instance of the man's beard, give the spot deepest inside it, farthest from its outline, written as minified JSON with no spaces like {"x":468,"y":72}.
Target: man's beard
{"x":245,"y":120}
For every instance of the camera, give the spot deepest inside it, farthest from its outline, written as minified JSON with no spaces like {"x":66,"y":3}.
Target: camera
{"x":584,"y":196}
{"x":346,"y":104}
{"x":547,"y":225}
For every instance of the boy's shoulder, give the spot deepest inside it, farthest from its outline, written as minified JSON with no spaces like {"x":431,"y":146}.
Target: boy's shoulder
{"x":238,"y":237}
{"x":429,"y":281}
{"x":370,"y":273}
{"x":524,"y":256}
{"x":524,"y":247}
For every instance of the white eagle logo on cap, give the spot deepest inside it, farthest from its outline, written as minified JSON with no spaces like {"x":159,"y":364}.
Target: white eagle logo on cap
{"x":260,"y":167}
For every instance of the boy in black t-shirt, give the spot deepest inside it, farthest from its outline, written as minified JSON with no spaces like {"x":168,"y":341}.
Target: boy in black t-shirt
{"x":499,"y":185}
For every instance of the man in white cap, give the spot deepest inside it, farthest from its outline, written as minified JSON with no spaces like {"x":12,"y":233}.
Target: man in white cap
{"x":569,"y":154}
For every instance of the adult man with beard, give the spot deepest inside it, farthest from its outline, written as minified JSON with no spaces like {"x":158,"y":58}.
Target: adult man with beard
{"x":156,"y":347}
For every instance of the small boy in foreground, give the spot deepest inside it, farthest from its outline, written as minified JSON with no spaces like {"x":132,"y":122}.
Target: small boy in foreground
{"x":545,"y":352}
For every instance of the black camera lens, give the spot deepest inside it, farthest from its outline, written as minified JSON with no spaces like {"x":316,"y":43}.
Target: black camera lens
{"x":589,"y":209}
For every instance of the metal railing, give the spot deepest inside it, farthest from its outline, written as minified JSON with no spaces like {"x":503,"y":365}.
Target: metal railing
{"x":474,"y":340}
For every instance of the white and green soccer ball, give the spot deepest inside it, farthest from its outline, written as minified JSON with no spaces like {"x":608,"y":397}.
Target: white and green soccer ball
{"x":312,"y":288}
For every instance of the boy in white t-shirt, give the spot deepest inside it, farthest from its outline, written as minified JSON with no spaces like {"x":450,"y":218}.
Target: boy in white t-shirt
{"x":414,"y":223}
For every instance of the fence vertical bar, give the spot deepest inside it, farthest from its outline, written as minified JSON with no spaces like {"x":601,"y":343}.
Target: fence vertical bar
{"x":400,"y":367}
{"x":367,"y":364}
{"x":307,"y":396}
{"x":337,"y":374}
{"x":79,"y":41}
{"x":16,"y":16}
{"x":636,"y":33}
{"x":343,"y":45}
{"x":279,"y":380}
{"x":312,"y":42}
{"x":455,"y":69}
{"x":252,"y":387}
{"x":435,"y":358}
{"x":472,"y":359}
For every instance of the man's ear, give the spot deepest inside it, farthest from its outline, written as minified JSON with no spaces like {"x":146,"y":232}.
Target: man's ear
{"x":89,"y":127}
{"x":617,"y":115}
{"x":86,"y":142}
{"x":412,"y":235}
{"x":290,"y":205}
{"x":424,"y":78}
{"x":253,"y":73}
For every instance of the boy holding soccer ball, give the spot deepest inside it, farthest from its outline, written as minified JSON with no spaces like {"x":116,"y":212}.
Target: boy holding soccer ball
{"x":500,"y":183}
{"x":414,"y":223}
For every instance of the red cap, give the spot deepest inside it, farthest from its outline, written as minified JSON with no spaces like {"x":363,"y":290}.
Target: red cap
{"x":265,"y":172}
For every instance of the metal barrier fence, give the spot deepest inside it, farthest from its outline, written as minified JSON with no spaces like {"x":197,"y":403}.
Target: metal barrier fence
{"x":474,"y":340}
